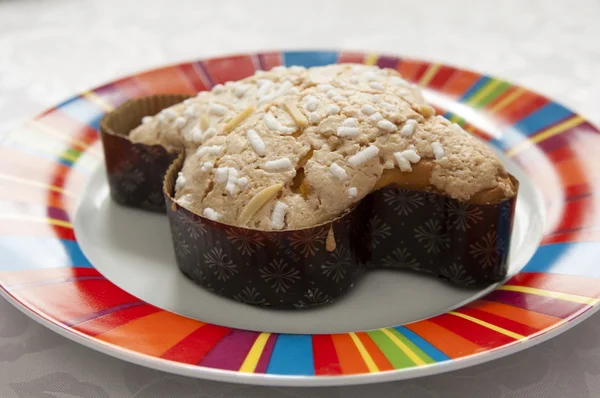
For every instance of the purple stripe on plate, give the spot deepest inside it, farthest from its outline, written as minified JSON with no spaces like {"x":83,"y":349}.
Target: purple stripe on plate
{"x":543,"y":305}
{"x":387,"y":62}
{"x":58,"y":214}
{"x":230,"y":352}
{"x":263,"y":362}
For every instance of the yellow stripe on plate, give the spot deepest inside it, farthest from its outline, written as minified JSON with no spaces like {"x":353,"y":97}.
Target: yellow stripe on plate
{"x":364,"y":353}
{"x":484,"y":91}
{"x":506,"y":101}
{"x":63,"y":138}
{"x":550,"y":132}
{"x":406,"y":349}
{"x":99,"y":101}
{"x":371,"y":59}
{"x":498,"y":329}
{"x":548,"y":293}
{"x":253,"y":356}
{"x":429,"y":74}
{"x":40,"y":220}
{"x":37,"y":184}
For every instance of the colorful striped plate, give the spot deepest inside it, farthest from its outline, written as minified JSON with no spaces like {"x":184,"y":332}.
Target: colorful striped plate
{"x":45,"y":165}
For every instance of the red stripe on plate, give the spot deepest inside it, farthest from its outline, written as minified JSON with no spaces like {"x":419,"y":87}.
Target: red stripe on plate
{"x":521,"y":107}
{"x":574,"y":236}
{"x":577,"y":214}
{"x":65,"y":301}
{"x":222,"y":70}
{"x":443,"y":75}
{"x":471,"y":331}
{"x":532,"y":302}
{"x":105,"y":323}
{"x":504,"y":323}
{"x":195,"y":80}
{"x":169,"y":80}
{"x":69,"y":128}
{"x":324,"y":355}
{"x":270,"y":60}
{"x":194,"y":347}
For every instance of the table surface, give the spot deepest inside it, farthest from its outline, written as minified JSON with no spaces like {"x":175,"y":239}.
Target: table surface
{"x":50,"y":50}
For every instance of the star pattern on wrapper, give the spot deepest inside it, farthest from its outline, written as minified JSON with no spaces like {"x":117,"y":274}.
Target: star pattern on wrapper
{"x":335,"y":268}
{"x":379,"y":231}
{"x":153,"y":201}
{"x":279,"y":275}
{"x":308,"y":241}
{"x":457,"y":274}
{"x":431,"y":236}
{"x":128,"y":178}
{"x":182,"y":248}
{"x":464,"y":215}
{"x":400,"y":259}
{"x":488,"y":250}
{"x":246,"y":240}
{"x":250,"y":295}
{"x":195,"y":228}
{"x":506,"y":210}
{"x":403,"y":201}
{"x":217,"y":260}
{"x":313,"y":297}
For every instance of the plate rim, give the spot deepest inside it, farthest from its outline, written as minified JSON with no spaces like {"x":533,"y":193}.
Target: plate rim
{"x":283,"y":380}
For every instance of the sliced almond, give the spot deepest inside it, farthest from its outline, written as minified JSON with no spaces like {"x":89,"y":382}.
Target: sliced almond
{"x":204,"y":122}
{"x":427,"y":110}
{"x":258,"y":201}
{"x":237,"y":119}
{"x":330,"y":244}
{"x":298,"y":116}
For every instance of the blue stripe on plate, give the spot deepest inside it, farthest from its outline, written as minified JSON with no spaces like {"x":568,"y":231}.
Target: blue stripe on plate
{"x":425,"y":346}
{"x":574,"y":258}
{"x":544,"y":117}
{"x":474,"y":88}
{"x":292,"y":355}
{"x":83,"y":111}
{"x":20,"y":253}
{"x":309,"y":58}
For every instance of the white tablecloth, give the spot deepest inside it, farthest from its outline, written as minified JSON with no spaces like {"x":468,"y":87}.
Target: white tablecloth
{"x":51,"y":49}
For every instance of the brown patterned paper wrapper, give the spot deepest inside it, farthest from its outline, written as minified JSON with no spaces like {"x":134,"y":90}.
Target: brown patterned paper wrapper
{"x":391,"y":228}
{"x":136,"y":171}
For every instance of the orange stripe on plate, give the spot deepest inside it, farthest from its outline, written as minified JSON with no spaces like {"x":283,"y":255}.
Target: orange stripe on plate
{"x":408,"y":69}
{"x":459,"y":84}
{"x":378,"y":357}
{"x":169,"y":80}
{"x":529,"y":318}
{"x":444,"y":340}
{"x":153,"y":334}
{"x":573,"y":172}
{"x":350,"y":359}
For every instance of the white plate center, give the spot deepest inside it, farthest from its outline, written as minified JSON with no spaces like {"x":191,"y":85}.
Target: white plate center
{"x":133,"y":249}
